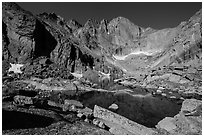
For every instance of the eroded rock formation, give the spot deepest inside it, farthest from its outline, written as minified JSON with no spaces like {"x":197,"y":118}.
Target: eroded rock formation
{"x":150,"y":77}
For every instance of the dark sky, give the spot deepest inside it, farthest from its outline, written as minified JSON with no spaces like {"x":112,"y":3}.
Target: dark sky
{"x":156,"y":15}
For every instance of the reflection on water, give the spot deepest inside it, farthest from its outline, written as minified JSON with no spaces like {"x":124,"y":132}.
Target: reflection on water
{"x":144,"y":109}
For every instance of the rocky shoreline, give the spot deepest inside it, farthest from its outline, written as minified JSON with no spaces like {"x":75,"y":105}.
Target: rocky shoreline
{"x":112,"y":77}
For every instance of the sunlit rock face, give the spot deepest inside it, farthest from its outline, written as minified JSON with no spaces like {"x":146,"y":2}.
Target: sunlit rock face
{"x":119,"y":44}
{"x":152,"y":78}
{"x":136,"y":49}
{"x":19,"y":27}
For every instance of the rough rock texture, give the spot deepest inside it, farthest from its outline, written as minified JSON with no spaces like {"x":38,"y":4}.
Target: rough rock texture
{"x":128,"y":125}
{"x":42,"y":67}
{"x":167,"y":124}
{"x":118,"y":42}
{"x":133,"y":71}
{"x":192,"y":105}
{"x":188,"y":121}
{"x":19,"y":27}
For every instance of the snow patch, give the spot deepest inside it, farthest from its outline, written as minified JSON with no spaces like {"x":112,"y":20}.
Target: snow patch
{"x":148,"y":53}
{"x":15,"y":68}
{"x":77,"y":75}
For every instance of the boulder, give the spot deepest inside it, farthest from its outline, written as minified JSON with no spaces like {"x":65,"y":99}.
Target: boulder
{"x":191,"y":106}
{"x":125,"y":123}
{"x":73,"y":102}
{"x":167,"y":124}
{"x":23,"y":100}
{"x":188,"y":124}
{"x":174,"y":78}
{"x":113,"y":106}
{"x":54,"y":104}
{"x":71,"y":105}
{"x":87,"y":112}
{"x":187,"y":121}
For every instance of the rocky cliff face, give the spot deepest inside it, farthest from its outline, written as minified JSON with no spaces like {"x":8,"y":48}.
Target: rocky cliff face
{"x":19,"y":26}
{"x":150,"y":78}
{"x":122,"y":44}
{"x":117,"y":47}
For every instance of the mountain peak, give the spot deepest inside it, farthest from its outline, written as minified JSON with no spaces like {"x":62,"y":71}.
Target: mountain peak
{"x":141,"y":70}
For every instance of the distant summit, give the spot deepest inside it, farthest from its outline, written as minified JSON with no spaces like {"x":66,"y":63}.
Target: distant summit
{"x":129,"y":48}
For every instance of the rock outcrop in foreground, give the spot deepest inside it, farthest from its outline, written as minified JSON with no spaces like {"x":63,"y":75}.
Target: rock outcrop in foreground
{"x":108,"y":77}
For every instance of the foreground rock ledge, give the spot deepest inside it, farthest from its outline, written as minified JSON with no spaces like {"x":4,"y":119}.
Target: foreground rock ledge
{"x":121,"y":122}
